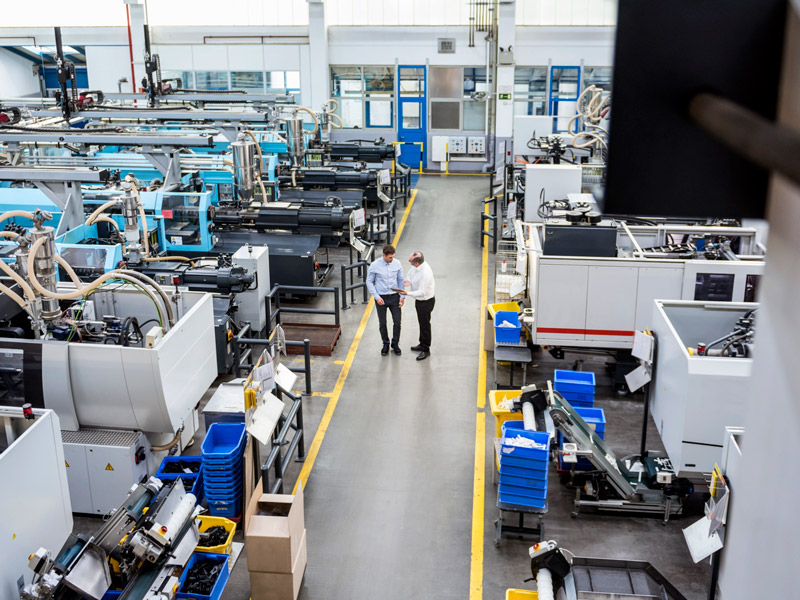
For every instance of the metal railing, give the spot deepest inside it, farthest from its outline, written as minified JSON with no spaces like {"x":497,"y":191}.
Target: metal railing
{"x":382,"y":224}
{"x":274,"y":296}
{"x":243,"y":353}
{"x":493,"y":218}
{"x":278,"y":461}
{"x":400,"y":187}
{"x":361,"y":267}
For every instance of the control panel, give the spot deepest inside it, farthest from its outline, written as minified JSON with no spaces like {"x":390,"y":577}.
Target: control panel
{"x":457,"y":144}
{"x":476,"y":145}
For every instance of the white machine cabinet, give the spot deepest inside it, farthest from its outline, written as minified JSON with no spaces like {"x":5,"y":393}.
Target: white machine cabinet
{"x":694,"y":398}
{"x":34,"y":499}
{"x":549,"y":182}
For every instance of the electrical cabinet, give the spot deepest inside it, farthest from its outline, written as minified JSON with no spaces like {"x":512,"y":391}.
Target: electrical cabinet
{"x":476,"y":144}
{"x":457,"y":144}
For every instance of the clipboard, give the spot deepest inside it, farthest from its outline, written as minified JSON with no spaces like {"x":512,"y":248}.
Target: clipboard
{"x":397,"y":290}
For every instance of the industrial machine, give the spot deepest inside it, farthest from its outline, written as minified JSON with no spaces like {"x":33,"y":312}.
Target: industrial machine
{"x":137,"y":549}
{"x":700,"y":381}
{"x":632,"y":484}
{"x":32,"y":465}
{"x":115,"y":358}
{"x":575,"y":577}
{"x":592,"y":284}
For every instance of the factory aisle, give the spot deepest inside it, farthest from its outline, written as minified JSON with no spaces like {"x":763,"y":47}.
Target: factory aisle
{"x":389,"y":499}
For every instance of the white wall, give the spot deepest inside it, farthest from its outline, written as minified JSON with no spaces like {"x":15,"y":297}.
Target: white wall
{"x":16,"y":76}
{"x":535,"y":46}
{"x":105,"y":65}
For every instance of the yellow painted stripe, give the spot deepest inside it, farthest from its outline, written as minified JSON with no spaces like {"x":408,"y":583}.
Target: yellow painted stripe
{"x":479,"y":474}
{"x":338,"y":362}
{"x":311,"y":456}
{"x":323,"y":394}
{"x":476,"y":562}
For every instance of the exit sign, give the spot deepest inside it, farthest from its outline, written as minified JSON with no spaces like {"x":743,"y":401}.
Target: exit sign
{"x":504,"y":96}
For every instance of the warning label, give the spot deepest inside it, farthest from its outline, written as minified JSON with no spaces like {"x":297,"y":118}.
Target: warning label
{"x":66,"y":463}
{"x":109,"y":467}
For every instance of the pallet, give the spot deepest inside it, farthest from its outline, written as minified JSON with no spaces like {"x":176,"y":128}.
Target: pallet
{"x":323,"y":338}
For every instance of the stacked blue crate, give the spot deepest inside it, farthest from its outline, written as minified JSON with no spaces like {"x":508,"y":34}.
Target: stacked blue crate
{"x":523,"y":471}
{"x":577,"y":387}
{"x":593,"y":417}
{"x":223,"y":455}
{"x":195,"y":477}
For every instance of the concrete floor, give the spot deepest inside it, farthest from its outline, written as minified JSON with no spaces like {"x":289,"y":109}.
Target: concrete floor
{"x":389,"y":499}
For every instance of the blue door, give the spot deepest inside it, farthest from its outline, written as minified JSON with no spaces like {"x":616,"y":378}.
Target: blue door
{"x":564,"y":92}
{"x":412,"y":126}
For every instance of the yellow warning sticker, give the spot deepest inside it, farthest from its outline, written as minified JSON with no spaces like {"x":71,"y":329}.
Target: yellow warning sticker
{"x":109,"y":467}
{"x":66,"y":463}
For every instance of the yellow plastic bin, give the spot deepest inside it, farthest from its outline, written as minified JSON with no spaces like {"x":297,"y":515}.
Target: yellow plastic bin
{"x":205,"y":523}
{"x":501,"y":415}
{"x":495,"y":308}
{"x":521,"y":595}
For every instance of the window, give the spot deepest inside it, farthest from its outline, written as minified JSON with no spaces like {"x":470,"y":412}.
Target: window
{"x":530,"y":91}
{"x":412,"y":82}
{"x":248,"y":81}
{"x":284,"y":82}
{"x":458,"y":98}
{"x":212,"y":80}
{"x":599,"y":76}
{"x":186,"y":77}
{"x":365,"y":95}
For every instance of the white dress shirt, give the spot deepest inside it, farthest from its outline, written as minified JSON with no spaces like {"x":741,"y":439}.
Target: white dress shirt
{"x":422,"y":283}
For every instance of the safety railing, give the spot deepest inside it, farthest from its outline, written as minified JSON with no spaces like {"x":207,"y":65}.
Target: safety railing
{"x":243,"y":354}
{"x":282,"y":451}
{"x":400,"y":188}
{"x":274,"y":298}
{"x":360,"y":267}
{"x":382,"y":225}
{"x":492,"y":217}
{"x":421,"y":153}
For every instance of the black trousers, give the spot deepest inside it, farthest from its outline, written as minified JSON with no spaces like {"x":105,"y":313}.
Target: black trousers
{"x":424,"y":310}
{"x":392,"y":303}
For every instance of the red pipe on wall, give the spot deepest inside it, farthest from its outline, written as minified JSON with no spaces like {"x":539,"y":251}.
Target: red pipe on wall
{"x":130,"y":48}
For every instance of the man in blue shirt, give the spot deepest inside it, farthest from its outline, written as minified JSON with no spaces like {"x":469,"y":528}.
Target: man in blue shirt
{"x":384,"y":276}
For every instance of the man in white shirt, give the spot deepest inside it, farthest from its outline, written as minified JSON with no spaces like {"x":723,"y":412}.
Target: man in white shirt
{"x":420,"y":284}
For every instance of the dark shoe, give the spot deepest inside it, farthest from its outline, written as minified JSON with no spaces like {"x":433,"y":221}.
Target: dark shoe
{"x":396,"y":349}
{"x":418,"y":348}
{"x":423,"y":355}
{"x":385,"y":350}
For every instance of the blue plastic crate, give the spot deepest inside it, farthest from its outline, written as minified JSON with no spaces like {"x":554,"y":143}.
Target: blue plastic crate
{"x":228,"y":495}
{"x":524,"y":482}
{"x":112,"y":594}
{"x":221,"y":476}
{"x":160,"y":474}
{"x":224,"y":509}
{"x":507,"y":496}
{"x":593,"y":416}
{"x":574,"y":381}
{"x":583,"y":464}
{"x":524,"y":463}
{"x":223,"y":441}
{"x":513,"y":429}
{"x":507,"y":335}
{"x":576,"y":405}
{"x":525,"y":492}
{"x":539,"y":474}
{"x":577,"y":397}
{"x":222,"y":579}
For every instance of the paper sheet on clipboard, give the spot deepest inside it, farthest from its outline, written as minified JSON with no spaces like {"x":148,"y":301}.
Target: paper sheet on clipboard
{"x":265,"y":419}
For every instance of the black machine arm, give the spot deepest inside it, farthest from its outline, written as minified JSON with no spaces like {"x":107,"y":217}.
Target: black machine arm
{"x":367,"y":153}
{"x":220,"y":280}
{"x":152,"y":68}
{"x":294,"y":217}
{"x":332,"y":180}
{"x":66,"y":74}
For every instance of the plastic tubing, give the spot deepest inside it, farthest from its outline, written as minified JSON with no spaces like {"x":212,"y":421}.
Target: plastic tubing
{"x":105,"y":219}
{"x":260,"y":164}
{"x":9,"y":234}
{"x":313,"y":116}
{"x":142,"y":216}
{"x":145,"y":279}
{"x":17,"y":213}
{"x":330,"y":101}
{"x":168,"y":258}
{"x":90,"y":219}
{"x":28,"y":291}
{"x":332,"y":116}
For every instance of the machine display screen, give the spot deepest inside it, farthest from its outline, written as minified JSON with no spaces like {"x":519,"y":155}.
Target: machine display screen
{"x":714,"y":287}
{"x":181,"y":216}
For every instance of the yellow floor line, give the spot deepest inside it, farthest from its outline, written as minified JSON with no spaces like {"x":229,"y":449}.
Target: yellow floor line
{"x":323,"y":394}
{"x":338,"y":362}
{"x":313,"y":451}
{"x":478,"y":500}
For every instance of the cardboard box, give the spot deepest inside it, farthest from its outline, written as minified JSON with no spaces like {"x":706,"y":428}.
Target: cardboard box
{"x":488,"y":335}
{"x":280,"y":586}
{"x":274,"y":530}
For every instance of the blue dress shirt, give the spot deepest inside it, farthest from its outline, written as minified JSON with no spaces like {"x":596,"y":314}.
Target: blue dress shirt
{"x":382,"y":276}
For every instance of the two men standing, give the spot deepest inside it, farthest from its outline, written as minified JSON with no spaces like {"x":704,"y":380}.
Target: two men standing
{"x":386,"y":284}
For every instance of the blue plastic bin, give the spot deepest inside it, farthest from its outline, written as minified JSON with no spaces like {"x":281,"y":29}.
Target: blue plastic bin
{"x":222,"y":579}
{"x":224,"y":508}
{"x":512,"y":429}
{"x":507,"y":335}
{"x":223,"y":442}
{"x":507,"y":495}
{"x":581,"y":382}
{"x":523,"y":482}
{"x":112,"y":594}
{"x":173,"y":459}
{"x":593,"y":416}
{"x":538,"y":474}
{"x":576,"y":397}
{"x":523,"y":463}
